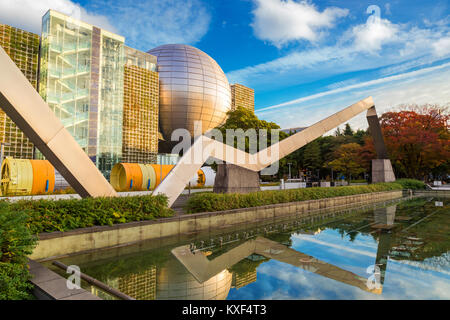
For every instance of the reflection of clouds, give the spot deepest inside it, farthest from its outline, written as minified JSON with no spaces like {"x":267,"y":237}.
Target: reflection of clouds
{"x":334,"y":245}
{"x":300,"y":284}
{"x":277,"y":280}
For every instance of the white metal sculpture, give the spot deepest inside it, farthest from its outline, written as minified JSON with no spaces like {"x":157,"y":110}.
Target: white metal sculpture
{"x":204,"y":147}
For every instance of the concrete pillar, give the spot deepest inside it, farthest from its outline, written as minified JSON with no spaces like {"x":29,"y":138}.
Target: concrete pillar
{"x":234,"y":179}
{"x":382,"y":171}
{"x":381,"y":167}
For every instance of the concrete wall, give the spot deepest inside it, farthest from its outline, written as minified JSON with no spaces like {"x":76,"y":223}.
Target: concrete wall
{"x":432,"y":193}
{"x":58,"y":244}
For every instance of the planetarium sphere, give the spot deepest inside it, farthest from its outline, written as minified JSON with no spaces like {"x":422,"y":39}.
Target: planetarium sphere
{"x":193,"y":87}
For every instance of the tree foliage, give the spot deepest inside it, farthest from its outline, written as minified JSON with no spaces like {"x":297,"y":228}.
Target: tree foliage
{"x":417,"y":139}
{"x":346,"y":160}
{"x":245,"y":119}
{"x":16,"y":243}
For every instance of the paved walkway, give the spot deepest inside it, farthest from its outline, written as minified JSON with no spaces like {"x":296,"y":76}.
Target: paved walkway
{"x":49,"y":285}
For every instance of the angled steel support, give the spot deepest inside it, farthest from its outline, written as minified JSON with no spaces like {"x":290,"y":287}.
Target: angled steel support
{"x":32,"y":115}
{"x":204,"y":147}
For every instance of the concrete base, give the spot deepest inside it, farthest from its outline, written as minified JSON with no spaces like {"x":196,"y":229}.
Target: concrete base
{"x":233,"y":179}
{"x":382,"y":171}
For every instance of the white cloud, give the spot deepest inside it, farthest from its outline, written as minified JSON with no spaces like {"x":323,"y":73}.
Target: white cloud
{"x":427,"y":85}
{"x":282,"y":21}
{"x":373,"y":34}
{"x":147,"y":24}
{"x":374,"y":44}
{"x":442,"y":46}
{"x":366,"y":84}
{"x":295,"y":60}
{"x":27,"y":14}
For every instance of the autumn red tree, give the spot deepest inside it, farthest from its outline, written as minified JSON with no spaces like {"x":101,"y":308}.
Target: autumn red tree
{"x":417,"y":139}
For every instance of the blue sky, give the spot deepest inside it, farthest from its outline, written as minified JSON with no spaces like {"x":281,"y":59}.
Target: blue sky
{"x":305,"y":59}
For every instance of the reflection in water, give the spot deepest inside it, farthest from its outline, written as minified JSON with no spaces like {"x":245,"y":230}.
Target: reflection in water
{"x":331,"y":250}
{"x":384,"y":218}
{"x":204,"y":270}
{"x":174,"y":282}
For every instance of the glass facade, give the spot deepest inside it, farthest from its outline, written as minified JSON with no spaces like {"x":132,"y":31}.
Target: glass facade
{"x":65,"y":73}
{"x":110,"y":111}
{"x":23,"y":48}
{"x":140,"y":59}
{"x":167,"y":158}
{"x":81,"y":79}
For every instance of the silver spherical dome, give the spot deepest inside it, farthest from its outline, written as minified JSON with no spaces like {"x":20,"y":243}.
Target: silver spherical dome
{"x":193,"y":87}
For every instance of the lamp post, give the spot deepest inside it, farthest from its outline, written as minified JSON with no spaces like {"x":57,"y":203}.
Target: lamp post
{"x":289,"y":164}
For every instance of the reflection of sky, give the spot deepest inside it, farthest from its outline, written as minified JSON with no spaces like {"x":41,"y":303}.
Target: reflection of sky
{"x":276,"y":280}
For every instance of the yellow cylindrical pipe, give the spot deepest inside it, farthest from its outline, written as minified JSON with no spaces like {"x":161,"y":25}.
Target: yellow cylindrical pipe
{"x":16,"y":177}
{"x":148,"y":177}
{"x":137,"y":176}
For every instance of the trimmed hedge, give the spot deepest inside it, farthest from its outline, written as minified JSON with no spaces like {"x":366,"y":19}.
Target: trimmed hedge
{"x":16,"y":242}
{"x":207,"y":202}
{"x":411,"y":184}
{"x":64,"y":215}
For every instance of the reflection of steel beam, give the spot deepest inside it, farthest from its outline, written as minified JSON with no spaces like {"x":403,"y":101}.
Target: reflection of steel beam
{"x":31,"y":114}
{"x":204,"y":147}
{"x":203,"y":269}
{"x":375,"y":132}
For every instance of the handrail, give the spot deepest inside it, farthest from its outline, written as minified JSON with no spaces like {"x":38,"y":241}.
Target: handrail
{"x":97,"y":283}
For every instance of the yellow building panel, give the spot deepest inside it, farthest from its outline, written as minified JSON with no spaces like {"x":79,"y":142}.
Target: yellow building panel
{"x":140,"y":115}
{"x":242,"y":96}
{"x":23,"y":48}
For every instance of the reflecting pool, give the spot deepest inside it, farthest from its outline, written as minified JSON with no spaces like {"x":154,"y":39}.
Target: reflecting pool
{"x":398,"y":249}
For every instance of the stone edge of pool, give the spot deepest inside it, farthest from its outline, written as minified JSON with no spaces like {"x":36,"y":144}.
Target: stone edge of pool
{"x":57,"y":244}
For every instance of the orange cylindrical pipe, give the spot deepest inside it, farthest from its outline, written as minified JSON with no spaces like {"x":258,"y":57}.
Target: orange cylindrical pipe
{"x":43,"y":177}
{"x":126,"y":177}
{"x":161,"y":171}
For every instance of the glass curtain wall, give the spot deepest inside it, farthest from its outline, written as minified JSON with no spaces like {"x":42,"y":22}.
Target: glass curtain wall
{"x":82,"y":70}
{"x":109,"y":146}
{"x":65,"y":72}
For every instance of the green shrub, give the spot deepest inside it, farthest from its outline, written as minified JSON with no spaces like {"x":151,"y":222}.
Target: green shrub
{"x":411,"y":184}
{"x":205,"y":202}
{"x":64,"y":215}
{"x":16,"y":242}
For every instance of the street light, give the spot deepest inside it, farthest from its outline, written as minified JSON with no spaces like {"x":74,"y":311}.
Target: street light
{"x":289,"y":164}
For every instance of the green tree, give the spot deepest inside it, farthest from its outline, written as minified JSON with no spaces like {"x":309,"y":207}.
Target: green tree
{"x":312,"y":158}
{"x":348,"y":131}
{"x":245,"y":119}
{"x":347,"y":160}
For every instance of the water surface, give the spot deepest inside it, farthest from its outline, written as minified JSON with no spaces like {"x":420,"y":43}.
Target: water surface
{"x":393,"y":250}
